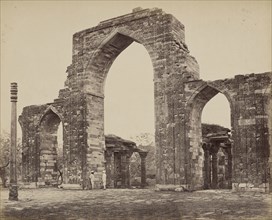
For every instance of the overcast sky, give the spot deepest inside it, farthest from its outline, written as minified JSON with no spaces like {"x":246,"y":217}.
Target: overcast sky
{"x":226,"y":37}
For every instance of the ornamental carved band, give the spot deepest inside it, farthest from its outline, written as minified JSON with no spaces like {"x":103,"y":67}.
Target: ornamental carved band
{"x":13,"y":92}
{"x":180,"y":95}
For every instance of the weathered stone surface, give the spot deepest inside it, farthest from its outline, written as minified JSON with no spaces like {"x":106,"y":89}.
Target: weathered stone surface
{"x":179,"y":99}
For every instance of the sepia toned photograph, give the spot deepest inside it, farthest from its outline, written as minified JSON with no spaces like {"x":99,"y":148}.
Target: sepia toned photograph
{"x":136,"y":110}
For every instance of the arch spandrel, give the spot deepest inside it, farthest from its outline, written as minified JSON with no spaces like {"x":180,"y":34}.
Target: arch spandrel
{"x":161,"y":34}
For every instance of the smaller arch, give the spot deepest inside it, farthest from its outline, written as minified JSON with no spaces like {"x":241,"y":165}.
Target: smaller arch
{"x":204,"y":86}
{"x":193,"y":111}
{"x":49,"y":108}
{"x":49,"y":156}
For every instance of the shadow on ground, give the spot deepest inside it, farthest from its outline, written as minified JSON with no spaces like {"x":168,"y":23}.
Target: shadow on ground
{"x":134,"y":204}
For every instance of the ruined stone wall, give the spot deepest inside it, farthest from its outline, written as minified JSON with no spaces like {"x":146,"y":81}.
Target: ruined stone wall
{"x":39,"y":125}
{"x":249,"y":97}
{"x":30,"y":155}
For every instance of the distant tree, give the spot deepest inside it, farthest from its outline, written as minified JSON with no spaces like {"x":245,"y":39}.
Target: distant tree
{"x":212,"y":128}
{"x":4,"y":157}
{"x":144,"y":141}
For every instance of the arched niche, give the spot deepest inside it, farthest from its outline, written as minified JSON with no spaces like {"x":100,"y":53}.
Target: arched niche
{"x":50,"y":158}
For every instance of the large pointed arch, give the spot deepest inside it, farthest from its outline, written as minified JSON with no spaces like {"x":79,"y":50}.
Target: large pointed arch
{"x":94,"y":51}
{"x":109,"y":49}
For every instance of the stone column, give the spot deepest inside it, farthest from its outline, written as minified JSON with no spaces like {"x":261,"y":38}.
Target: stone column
{"x":13,"y":188}
{"x":207,"y":177}
{"x":129,"y":154}
{"x":109,"y":168}
{"x":143,"y":168}
{"x":215,"y":149}
{"x":124,"y":169}
{"x":117,"y":168}
{"x":229,"y":168}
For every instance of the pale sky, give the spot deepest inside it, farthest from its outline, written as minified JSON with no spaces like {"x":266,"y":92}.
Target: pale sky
{"x":226,"y":37}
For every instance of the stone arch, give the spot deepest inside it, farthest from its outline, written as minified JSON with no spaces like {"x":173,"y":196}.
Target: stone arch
{"x":195,"y":104}
{"x":212,"y":85}
{"x":94,"y":51}
{"x":203,"y":94}
{"x":112,"y":37}
{"x":48,"y":109}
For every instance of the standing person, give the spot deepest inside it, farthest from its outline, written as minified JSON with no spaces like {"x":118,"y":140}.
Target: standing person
{"x":104,"y":179}
{"x":92,"y":179}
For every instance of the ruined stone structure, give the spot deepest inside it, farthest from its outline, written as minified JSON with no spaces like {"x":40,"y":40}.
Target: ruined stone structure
{"x":217,"y":161}
{"x":117,"y":156}
{"x":180,"y":96}
{"x":117,"y":165}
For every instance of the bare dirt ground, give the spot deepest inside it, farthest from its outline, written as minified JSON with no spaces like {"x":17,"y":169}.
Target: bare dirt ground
{"x":58,"y":204}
